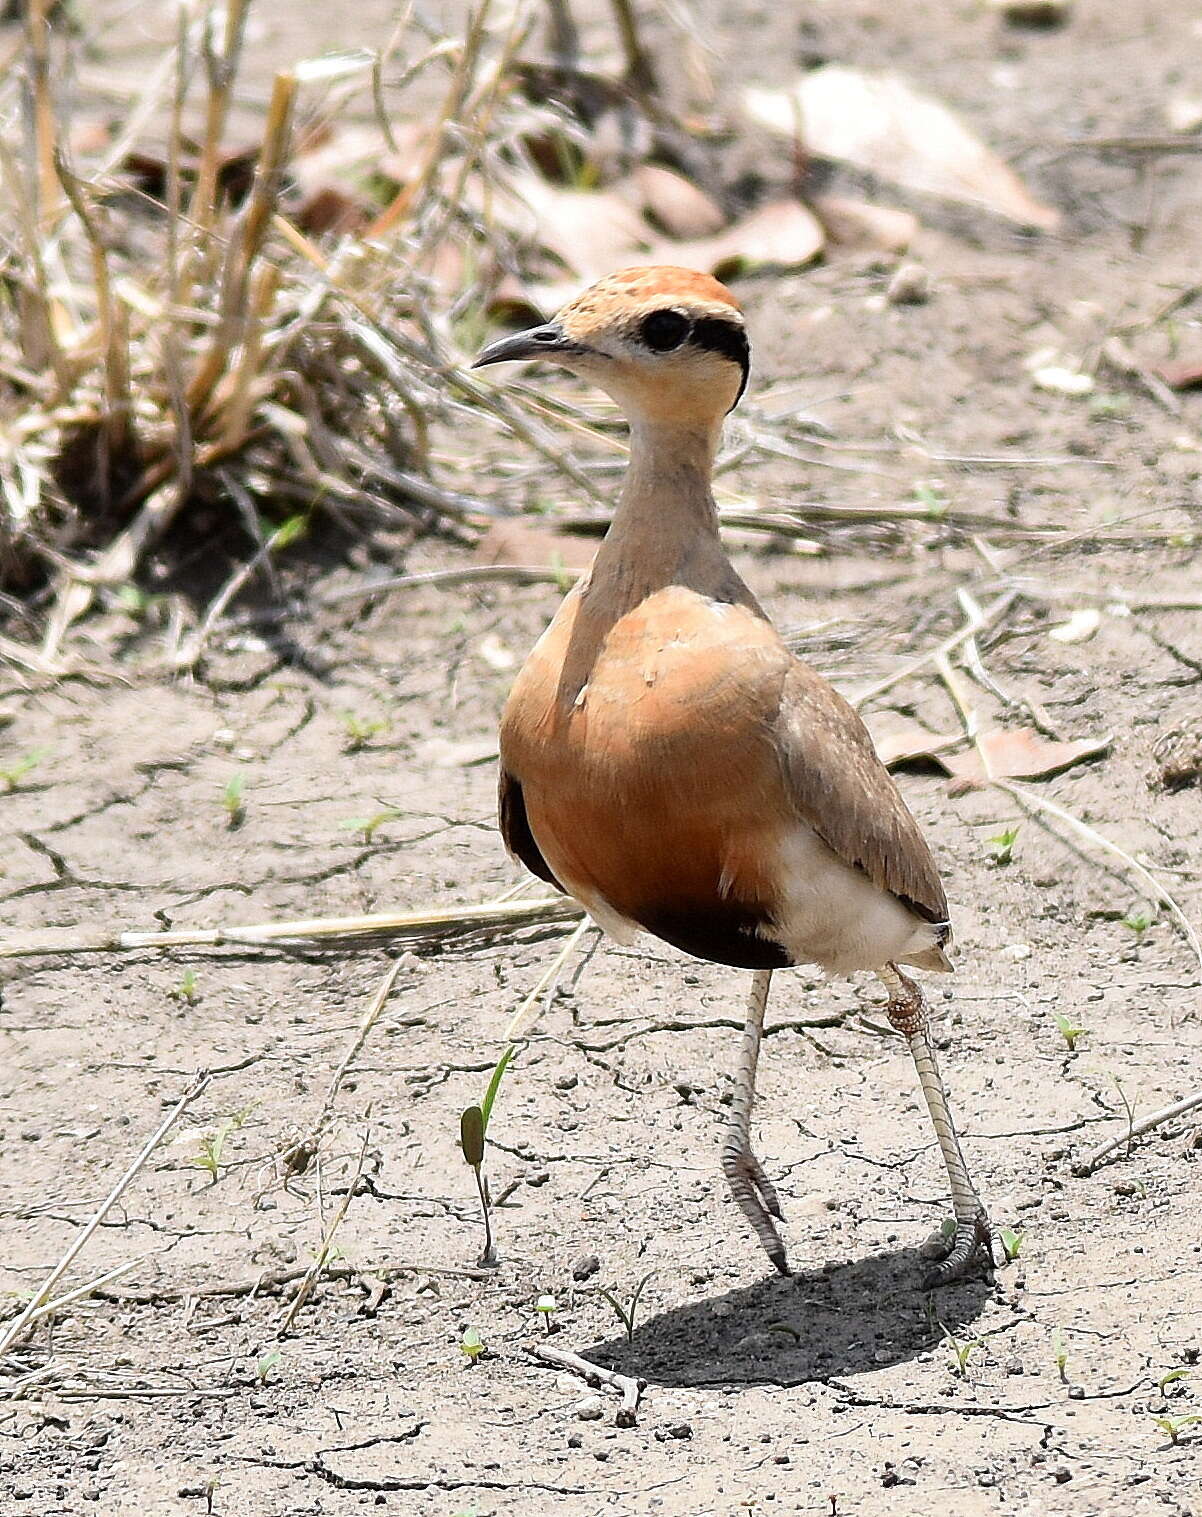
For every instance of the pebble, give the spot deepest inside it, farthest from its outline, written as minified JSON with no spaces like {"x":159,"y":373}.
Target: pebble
{"x":1062,"y":1473}
{"x":680,"y":1430}
{"x":567,"y":1082}
{"x":909,"y":286}
{"x":590,"y":1409}
{"x":585,"y":1267}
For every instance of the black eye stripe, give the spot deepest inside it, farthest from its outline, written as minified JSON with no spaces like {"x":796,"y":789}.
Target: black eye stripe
{"x":727,"y":338}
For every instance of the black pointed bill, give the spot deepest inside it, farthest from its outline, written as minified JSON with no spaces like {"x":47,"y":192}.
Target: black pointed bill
{"x":548,"y":341}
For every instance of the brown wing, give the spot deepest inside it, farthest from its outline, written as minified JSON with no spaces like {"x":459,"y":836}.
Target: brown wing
{"x":515,"y":829}
{"x":841,"y":788}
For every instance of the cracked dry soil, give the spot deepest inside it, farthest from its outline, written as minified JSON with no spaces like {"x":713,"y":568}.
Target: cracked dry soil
{"x":836,"y":1391}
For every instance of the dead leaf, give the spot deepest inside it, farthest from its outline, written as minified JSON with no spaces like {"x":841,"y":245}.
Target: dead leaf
{"x":1182,"y":373}
{"x":898,"y":744}
{"x":675,"y":204}
{"x":784,"y":234}
{"x":591,"y":232}
{"x":859,"y":224}
{"x":880,"y":123}
{"x":1017,"y":753}
{"x":515,"y":542}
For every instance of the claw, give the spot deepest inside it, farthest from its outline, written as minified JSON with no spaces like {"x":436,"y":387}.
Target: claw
{"x":758,"y":1201}
{"x":968,"y":1243}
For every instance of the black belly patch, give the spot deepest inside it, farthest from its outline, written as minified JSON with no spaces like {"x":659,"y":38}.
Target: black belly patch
{"x":723,"y":933}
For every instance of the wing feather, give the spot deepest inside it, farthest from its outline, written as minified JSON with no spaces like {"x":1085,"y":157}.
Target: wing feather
{"x":840,"y":787}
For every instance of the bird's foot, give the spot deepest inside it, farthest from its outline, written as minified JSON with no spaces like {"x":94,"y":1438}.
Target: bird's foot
{"x":974,"y":1238}
{"x":757,"y":1200}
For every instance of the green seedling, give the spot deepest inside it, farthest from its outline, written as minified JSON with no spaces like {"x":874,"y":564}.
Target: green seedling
{"x":213,"y":1145}
{"x":265,"y":1366}
{"x":547,"y":1307}
{"x":1068,"y":1030}
{"x":1139,"y":918}
{"x":186,"y":989}
{"x":1175,"y":1426}
{"x":1107,"y":406}
{"x":288,"y":532}
{"x":232,"y":799}
{"x":627,"y":1314}
{"x":1171,"y":1377}
{"x":1012,"y":1242}
{"x":368,"y":825}
{"x":211,"y":1485}
{"x":473,"y":1129}
{"x":361,"y":729}
{"x":930,"y":494}
{"x":960,"y":1351}
{"x":1060,"y":1354}
{"x":1000,"y":848}
{"x":471,"y":1344}
{"x":12,"y":776}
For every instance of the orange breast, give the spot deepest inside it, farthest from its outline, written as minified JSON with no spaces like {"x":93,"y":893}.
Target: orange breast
{"x":644,"y":754}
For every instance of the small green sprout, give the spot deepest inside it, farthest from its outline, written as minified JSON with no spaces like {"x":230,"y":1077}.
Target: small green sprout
{"x":368,"y":825}
{"x":232,"y":799}
{"x":471,"y":1344}
{"x":960,"y":1351}
{"x":1060,"y":1354}
{"x":186,"y":989}
{"x":1068,"y":1030}
{"x":547,"y":1306}
{"x":265,"y":1365}
{"x":12,"y":776}
{"x":1000,"y":848}
{"x":1012,"y":1242}
{"x":1171,"y":1377}
{"x":1140,"y":918}
{"x":627,"y":1314}
{"x":1175,"y":1426}
{"x":212,"y":1146}
{"x":288,"y":532}
{"x":473,"y":1127}
{"x":361,"y":729}
{"x":930,"y":493}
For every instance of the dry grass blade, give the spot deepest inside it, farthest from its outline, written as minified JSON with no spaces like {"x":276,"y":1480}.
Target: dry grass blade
{"x":331,"y":932}
{"x":16,"y":1329}
{"x":1133,"y":1130}
{"x":305,"y":1289}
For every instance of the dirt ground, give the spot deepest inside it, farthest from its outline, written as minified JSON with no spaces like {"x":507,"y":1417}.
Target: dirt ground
{"x":836,"y":1391}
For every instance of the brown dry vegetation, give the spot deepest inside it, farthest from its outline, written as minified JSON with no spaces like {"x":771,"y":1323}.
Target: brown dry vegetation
{"x":269,"y":555}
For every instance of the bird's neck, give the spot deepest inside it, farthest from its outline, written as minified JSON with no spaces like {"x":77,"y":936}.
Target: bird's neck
{"x":665,"y":528}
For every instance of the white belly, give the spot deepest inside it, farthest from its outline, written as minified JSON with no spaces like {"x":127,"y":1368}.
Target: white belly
{"x":832,"y":915}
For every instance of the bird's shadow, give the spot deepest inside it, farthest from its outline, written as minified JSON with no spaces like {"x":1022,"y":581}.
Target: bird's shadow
{"x":859,"y":1314}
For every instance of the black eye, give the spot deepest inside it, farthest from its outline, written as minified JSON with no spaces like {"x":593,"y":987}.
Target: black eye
{"x":664,"y":330}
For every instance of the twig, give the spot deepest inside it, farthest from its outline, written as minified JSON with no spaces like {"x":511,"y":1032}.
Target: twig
{"x":528,"y":1010}
{"x":16,"y":1329}
{"x":448,"y":921}
{"x":984,"y":617}
{"x":629,"y":1389}
{"x":81,"y":1292}
{"x":472,"y":574}
{"x":1134,"y":1130}
{"x":306,"y":1146}
{"x":310,"y":1277}
{"x":268,"y":1282}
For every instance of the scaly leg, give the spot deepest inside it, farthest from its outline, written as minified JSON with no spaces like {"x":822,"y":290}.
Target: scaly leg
{"x":749,"y":1185}
{"x":975,"y":1234}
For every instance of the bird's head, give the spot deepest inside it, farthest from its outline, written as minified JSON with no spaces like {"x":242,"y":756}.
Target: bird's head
{"x":668,"y":344}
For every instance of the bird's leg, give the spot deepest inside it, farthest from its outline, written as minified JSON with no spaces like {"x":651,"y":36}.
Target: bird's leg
{"x":907,"y":1011}
{"x":749,"y":1185}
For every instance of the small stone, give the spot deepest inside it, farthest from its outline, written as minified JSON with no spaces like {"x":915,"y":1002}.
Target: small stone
{"x":575,"y":1441}
{"x":1076,"y":1393}
{"x":585,"y":1267}
{"x":1062,"y":1473}
{"x":540,"y":1177}
{"x":680,"y":1430}
{"x":567,"y":1082}
{"x":1041,"y":15}
{"x":909,"y":286}
{"x":590,"y":1409}
{"x":1015,"y":1367}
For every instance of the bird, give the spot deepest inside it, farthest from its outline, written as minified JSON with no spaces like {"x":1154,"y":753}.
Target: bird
{"x":668,"y":762}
